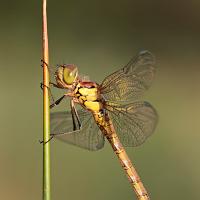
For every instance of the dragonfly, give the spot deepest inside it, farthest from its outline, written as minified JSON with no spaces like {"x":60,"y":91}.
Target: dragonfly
{"x":111,"y":110}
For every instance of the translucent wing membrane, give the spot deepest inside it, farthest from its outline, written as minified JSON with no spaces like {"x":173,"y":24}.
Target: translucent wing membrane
{"x":129,"y":83}
{"x":134,"y":122}
{"x":89,"y":136}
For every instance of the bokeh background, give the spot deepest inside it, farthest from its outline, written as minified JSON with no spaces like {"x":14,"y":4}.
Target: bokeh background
{"x":100,"y":37}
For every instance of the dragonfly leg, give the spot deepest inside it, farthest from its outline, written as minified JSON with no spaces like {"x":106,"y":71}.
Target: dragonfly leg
{"x":42,"y":86}
{"x":57,"y":102}
{"x":43,"y":62}
{"x":75,"y":115}
{"x":54,"y":85}
{"x":51,"y":70}
{"x":49,"y":67}
{"x":42,"y":142}
{"x":50,"y":83}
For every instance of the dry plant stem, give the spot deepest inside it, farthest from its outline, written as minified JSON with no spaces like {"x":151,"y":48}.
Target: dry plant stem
{"x":46,"y":112}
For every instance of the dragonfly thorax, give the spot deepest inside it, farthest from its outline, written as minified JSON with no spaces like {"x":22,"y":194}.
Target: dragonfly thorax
{"x":88,"y":96}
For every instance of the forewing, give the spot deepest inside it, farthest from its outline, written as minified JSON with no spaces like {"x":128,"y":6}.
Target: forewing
{"x":134,"y":122}
{"x":89,"y":136}
{"x":129,"y":83}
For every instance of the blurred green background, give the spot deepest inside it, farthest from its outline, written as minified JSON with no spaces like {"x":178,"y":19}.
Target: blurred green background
{"x":100,"y":37}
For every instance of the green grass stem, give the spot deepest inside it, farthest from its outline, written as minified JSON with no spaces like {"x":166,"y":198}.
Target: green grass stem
{"x":46,"y":111}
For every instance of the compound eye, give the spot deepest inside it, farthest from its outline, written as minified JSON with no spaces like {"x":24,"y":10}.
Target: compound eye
{"x":69,"y":76}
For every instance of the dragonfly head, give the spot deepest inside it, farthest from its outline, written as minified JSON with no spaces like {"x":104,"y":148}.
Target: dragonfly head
{"x":66,"y":75}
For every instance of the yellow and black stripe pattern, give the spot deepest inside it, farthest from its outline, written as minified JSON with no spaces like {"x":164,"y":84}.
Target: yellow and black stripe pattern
{"x":88,"y":96}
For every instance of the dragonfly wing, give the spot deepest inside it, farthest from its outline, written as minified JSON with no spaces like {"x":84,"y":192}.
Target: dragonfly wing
{"x":129,"y":83}
{"x":134,"y":122}
{"x":88,"y":136}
